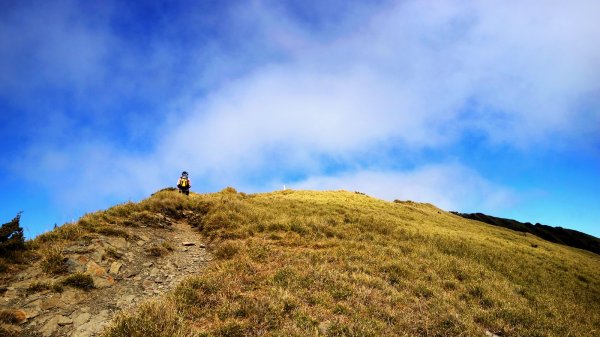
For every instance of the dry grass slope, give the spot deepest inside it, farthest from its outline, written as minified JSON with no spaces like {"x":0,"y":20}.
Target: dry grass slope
{"x":302,"y":263}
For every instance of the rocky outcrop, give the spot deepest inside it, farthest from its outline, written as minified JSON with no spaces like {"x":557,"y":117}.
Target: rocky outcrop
{"x":124,"y":272}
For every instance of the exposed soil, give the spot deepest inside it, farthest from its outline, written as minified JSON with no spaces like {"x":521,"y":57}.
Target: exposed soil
{"x":125,"y":272}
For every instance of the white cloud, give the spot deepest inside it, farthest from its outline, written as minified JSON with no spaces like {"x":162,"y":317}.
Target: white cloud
{"x":415,"y":75}
{"x":409,"y":77}
{"x":448,"y":186}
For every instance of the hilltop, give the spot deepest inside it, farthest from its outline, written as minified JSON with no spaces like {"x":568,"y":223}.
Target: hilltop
{"x":297,"y":263}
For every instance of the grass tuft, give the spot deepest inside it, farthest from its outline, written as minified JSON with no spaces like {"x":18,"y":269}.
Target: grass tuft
{"x":38,"y":286}
{"x":158,"y":250}
{"x":79,"y":281}
{"x":227,"y":249}
{"x":9,"y":317}
{"x":151,"y":319}
{"x":53,"y":260}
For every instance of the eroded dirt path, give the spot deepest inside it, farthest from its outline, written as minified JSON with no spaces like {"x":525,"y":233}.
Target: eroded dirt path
{"x":125,"y":273}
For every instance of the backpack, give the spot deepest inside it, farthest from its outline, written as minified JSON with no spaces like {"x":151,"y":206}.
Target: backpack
{"x":184,"y":182}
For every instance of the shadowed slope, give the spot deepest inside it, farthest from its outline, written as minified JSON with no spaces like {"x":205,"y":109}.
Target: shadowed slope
{"x":560,"y":235}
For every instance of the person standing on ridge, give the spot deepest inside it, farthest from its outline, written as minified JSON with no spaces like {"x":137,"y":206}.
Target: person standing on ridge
{"x":184,"y":184}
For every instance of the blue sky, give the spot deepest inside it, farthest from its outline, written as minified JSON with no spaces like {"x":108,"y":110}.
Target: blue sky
{"x":474,"y":106}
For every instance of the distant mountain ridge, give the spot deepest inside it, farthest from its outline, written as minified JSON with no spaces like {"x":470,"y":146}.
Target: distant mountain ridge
{"x":568,"y":237}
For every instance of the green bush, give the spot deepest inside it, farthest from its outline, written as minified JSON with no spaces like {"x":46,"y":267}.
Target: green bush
{"x":11,"y":237}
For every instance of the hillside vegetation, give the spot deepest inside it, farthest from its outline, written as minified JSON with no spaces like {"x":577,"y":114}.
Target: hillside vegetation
{"x":305,"y":263}
{"x":560,"y":235}
{"x":301,"y":263}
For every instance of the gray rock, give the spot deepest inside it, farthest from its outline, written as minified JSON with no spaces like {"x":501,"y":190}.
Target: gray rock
{"x":74,"y":266}
{"x":81,"y":318}
{"x":118,"y":243}
{"x":62,"y":320}
{"x":103,"y":282}
{"x":114,"y":268}
{"x":125,"y":301}
{"x":93,"y":326}
{"x":50,"y":327}
{"x":32,"y":312}
{"x":97,"y":254}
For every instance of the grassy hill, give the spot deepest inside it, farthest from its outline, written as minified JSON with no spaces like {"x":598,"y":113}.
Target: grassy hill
{"x":304,"y":263}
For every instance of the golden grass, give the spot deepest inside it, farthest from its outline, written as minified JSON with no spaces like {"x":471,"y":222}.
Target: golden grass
{"x":53,"y":260}
{"x":158,"y":250}
{"x":158,"y":319}
{"x":302,"y":263}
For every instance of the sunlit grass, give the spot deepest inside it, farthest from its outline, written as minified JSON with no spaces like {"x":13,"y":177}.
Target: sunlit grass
{"x":302,"y":263}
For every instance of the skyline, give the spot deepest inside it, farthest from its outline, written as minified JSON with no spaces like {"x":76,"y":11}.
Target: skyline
{"x":487,"y":107}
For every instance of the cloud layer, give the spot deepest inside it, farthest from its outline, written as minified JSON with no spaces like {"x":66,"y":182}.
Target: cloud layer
{"x":330,"y":105}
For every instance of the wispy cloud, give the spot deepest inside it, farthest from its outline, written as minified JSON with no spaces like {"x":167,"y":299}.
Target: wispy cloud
{"x":449,"y":186}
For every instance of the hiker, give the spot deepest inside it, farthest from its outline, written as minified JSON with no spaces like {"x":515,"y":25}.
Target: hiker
{"x":184,"y":183}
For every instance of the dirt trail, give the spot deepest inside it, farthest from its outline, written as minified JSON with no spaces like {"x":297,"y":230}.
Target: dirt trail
{"x":124,"y":271}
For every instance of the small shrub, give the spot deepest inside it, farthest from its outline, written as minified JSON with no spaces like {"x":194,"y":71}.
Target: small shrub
{"x":38,"y":286}
{"x":11,"y":237}
{"x":57,"y":287}
{"x":53,"y":261}
{"x":197,"y":292}
{"x":156,"y":250}
{"x":79,"y":280}
{"x":161,"y":249}
{"x":227,"y":250}
{"x":231,"y":329}
{"x":229,"y":190}
{"x":10,"y":317}
{"x":167,"y":246}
